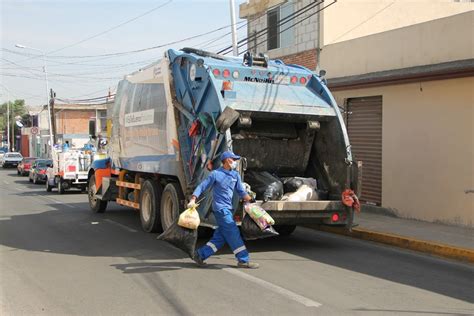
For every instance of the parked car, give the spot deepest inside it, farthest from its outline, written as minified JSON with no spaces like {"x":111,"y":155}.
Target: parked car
{"x":25,"y":165}
{"x":37,"y":172}
{"x":11,"y":159}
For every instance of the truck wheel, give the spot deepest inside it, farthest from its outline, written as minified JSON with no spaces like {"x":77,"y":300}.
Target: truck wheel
{"x":96,"y":205}
{"x":60,"y":186}
{"x":150,"y":197}
{"x":48,"y":187}
{"x":285,"y":230}
{"x":171,"y":203}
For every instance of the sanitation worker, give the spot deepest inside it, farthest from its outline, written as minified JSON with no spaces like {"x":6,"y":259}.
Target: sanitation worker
{"x":223,"y":182}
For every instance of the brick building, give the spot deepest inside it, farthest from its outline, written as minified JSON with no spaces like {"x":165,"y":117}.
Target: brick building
{"x":72,"y":122}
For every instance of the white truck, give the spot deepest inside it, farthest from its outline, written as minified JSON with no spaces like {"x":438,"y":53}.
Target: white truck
{"x":69,"y":170}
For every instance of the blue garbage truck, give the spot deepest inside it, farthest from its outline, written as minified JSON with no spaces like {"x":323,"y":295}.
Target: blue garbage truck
{"x":172,"y":119}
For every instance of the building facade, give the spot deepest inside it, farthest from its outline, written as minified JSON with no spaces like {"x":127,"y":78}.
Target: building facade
{"x":403,"y":71}
{"x":293,"y":30}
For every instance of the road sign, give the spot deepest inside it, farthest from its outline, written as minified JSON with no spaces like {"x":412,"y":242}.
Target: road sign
{"x":34,"y":130}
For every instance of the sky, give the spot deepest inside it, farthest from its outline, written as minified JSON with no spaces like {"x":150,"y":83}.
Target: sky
{"x":52,"y":26}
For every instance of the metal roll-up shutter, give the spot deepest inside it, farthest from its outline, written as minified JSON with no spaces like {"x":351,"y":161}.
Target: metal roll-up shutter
{"x":364,"y":125}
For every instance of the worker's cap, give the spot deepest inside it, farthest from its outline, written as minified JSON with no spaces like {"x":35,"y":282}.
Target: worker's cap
{"x":229,"y":154}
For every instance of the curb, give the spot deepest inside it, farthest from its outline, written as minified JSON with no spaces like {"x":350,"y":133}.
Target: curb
{"x":433,"y":248}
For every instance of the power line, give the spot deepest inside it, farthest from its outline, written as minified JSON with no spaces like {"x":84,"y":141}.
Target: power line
{"x":281,"y":22}
{"x":112,"y":28}
{"x":300,"y":21}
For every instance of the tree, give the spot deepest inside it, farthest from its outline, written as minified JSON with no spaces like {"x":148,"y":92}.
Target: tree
{"x":17,"y":108}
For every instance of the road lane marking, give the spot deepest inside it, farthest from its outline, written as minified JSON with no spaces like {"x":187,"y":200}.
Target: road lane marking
{"x":275,"y":288}
{"x":6,"y":182}
{"x":121,"y":225}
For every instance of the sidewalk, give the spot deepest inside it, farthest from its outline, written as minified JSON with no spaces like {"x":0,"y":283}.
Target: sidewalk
{"x":451,"y":242}
{"x":444,"y":234}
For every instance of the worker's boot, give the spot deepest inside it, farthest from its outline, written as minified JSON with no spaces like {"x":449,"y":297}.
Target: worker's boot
{"x":197,"y":258}
{"x":248,"y":265}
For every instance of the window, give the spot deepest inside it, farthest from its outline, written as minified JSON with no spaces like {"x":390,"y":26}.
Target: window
{"x":280,"y":30}
{"x":273,"y":17}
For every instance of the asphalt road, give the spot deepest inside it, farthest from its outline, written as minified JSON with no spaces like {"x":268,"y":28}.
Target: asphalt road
{"x":58,"y":258}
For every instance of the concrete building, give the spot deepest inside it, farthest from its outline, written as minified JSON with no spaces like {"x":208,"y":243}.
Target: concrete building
{"x":72,"y":122}
{"x":292,"y":41}
{"x":72,"y":125}
{"x":404,"y":72}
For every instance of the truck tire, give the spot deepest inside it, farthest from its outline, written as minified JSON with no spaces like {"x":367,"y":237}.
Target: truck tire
{"x":61,"y":189}
{"x":96,"y":205}
{"x":171,"y":204}
{"x":48,"y":187}
{"x":150,"y":198}
{"x":285,"y":230}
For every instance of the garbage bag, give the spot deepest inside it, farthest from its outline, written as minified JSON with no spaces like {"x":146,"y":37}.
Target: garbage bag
{"x":251,"y":231}
{"x":266,"y":186}
{"x":189,"y":218}
{"x":294,"y":183}
{"x":304,"y":193}
{"x":259,"y":215}
{"x":180,"y":237}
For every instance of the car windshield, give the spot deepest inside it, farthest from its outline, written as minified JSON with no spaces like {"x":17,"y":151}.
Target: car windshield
{"x":29,"y":160}
{"x":42,"y":163}
{"x":13,"y":156}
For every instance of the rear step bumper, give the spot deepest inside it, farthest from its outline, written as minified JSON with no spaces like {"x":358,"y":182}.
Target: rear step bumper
{"x":316,"y":206}
{"x":310,"y":212}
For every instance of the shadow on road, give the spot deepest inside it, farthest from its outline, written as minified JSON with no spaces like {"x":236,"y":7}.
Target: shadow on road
{"x":74,"y":230}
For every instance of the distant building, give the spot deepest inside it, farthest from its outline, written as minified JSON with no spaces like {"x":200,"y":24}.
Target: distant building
{"x":72,"y":122}
{"x":72,"y":125}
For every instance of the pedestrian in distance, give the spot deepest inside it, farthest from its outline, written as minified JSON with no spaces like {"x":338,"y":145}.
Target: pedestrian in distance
{"x":223,"y":182}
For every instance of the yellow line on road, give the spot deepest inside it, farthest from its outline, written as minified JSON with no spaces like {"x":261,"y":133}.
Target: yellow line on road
{"x":433,"y":248}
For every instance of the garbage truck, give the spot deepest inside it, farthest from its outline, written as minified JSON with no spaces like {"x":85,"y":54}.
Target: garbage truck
{"x":172,"y":119}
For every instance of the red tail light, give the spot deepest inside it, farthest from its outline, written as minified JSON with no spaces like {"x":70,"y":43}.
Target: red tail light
{"x":303,"y":80}
{"x":226,"y":73}
{"x":335,"y":217}
{"x":42,"y":171}
{"x":71,"y":168}
{"x":216,"y":72}
{"x":227,"y":85}
{"x":294,"y":79}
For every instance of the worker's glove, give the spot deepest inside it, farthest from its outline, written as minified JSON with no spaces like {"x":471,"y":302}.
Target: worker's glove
{"x":192,"y":203}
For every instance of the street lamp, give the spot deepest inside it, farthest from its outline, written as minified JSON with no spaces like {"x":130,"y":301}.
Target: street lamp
{"x":51,"y":139}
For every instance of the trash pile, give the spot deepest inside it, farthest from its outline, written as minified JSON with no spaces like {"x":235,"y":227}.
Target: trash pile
{"x":268,"y":187}
{"x":257,"y":223}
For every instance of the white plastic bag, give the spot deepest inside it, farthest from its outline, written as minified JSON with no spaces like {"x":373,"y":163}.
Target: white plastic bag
{"x":189,"y":218}
{"x":304,"y":193}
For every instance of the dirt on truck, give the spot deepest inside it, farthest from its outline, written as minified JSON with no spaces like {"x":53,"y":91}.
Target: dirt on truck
{"x":171,"y":121}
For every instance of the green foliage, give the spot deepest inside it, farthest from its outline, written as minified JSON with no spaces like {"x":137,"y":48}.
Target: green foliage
{"x":17,"y":108}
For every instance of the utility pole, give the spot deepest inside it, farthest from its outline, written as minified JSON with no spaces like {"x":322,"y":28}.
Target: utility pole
{"x":51,"y":140}
{"x":235,"y":49}
{"x":8,"y":123}
{"x":52,"y":95}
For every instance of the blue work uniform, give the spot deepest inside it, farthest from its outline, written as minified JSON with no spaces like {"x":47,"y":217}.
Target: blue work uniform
{"x":223,"y":183}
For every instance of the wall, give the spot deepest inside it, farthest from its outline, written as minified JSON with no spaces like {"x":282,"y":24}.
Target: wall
{"x":73,"y":121}
{"x":428,"y":148}
{"x":351,"y":19}
{"x":442,"y":40}
{"x":305,"y":34}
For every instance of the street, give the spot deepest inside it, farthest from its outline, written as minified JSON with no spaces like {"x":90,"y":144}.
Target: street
{"x":58,"y":258}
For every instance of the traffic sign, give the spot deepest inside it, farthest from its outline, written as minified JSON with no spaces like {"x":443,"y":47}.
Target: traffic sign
{"x":34,"y":130}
